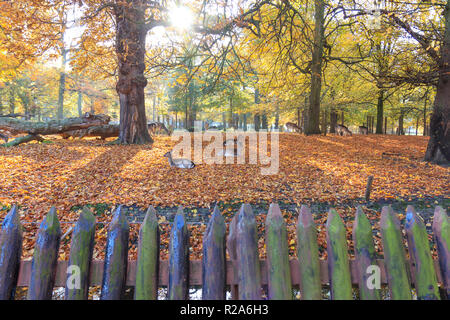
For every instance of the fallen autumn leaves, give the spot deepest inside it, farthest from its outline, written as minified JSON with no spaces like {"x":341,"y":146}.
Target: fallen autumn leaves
{"x":328,"y":169}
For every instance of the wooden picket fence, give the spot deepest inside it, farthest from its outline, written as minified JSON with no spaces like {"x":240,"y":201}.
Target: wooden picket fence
{"x":245,"y":274}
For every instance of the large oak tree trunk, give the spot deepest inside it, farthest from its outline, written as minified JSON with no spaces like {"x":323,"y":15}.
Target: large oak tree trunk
{"x":130,"y":48}
{"x":312,"y":126}
{"x":438,"y":149}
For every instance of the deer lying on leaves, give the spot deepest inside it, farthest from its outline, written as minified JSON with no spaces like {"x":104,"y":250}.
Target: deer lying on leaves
{"x":293,"y":127}
{"x":179,"y":163}
{"x":237,"y":148}
{"x":342,"y":130}
{"x":363,"y":130}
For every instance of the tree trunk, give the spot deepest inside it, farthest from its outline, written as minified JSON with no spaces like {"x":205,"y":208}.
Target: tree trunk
{"x":245,"y":121}
{"x":333,"y":121}
{"x":257,"y":122}
{"x":316,"y":69}
{"x":277,"y":116}
{"x":400,"y":123}
{"x":385,"y":125}
{"x":130,"y":49}
{"x":380,"y":107}
{"x":62,"y":80}
{"x":80,"y":104}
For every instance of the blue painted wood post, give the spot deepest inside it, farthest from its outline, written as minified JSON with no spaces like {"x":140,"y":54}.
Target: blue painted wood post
{"x":394,"y":255}
{"x":45,"y":258}
{"x":179,"y":259}
{"x":420,"y":255}
{"x":248,"y":255}
{"x":213,"y":267}
{"x":338,"y":264}
{"x":308,"y":256}
{"x":278,"y":267}
{"x":81,"y":249}
{"x":365,"y":257}
{"x":441,"y":232}
{"x":116,"y":258}
{"x":148,"y":258}
{"x":10,"y":253}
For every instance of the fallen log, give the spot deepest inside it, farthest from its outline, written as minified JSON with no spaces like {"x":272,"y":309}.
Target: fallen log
{"x":16,"y":126}
{"x":23,"y":139}
{"x":104,"y":131}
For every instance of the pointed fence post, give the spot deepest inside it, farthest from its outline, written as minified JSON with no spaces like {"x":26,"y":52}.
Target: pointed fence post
{"x":116,"y":258}
{"x":10,"y":253}
{"x":338,"y":264}
{"x":365,"y":257}
{"x":81,"y":249}
{"x":394,"y":255}
{"x":419,"y":251}
{"x":278,"y":268}
{"x":148,"y":258}
{"x":308,"y":256}
{"x":45,"y":258}
{"x":441,"y":231}
{"x":214,"y":267}
{"x":179,"y":259}
{"x":232,"y":251}
{"x":247,"y":255}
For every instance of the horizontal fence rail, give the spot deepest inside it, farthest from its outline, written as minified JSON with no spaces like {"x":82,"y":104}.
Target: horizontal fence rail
{"x":244,"y":273}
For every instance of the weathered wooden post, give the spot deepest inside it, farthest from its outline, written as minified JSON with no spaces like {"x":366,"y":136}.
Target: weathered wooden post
{"x":247,"y":255}
{"x":10,"y":253}
{"x":308,"y":256}
{"x":116,"y":258}
{"x":81,"y":249}
{"x":232,"y":252}
{"x":441,"y":231}
{"x":214,"y":264}
{"x":179,"y":259}
{"x":368,"y":188}
{"x":419,"y":250}
{"x":394,"y":255}
{"x":338,"y":264}
{"x":278,"y":268}
{"x":148,"y":258}
{"x":365,"y":257}
{"x":45,"y":258}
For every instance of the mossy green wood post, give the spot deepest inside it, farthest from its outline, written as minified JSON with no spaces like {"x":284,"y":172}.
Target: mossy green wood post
{"x":394,"y":255}
{"x":116,"y":257}
{"x":148,"y":258}
{"x":441,"y":232}
{"x":419,"y":250}
{"x":278,"y":268}
{"x":179,"y":259}
{"x":45,"y":258}
{"x":10,"y":253}
{"x":232,"y":251}
{"x":214,"y":267}
{"x":365,"y":256}
{"x":247,"y":255}
{"x":338,"y":264}
{"x":308,"y":256}
{"x":81,"y":249}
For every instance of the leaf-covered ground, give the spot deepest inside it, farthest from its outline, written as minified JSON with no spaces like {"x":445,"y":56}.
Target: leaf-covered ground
{"x":321,"y":171}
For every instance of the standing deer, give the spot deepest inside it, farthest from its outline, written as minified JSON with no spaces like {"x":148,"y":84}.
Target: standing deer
{"x":179,"y":163}
{"x":157,"y":126}
{"x":342,"y":130}
{"x":293,"y":127}
{"x":363,"y":130}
